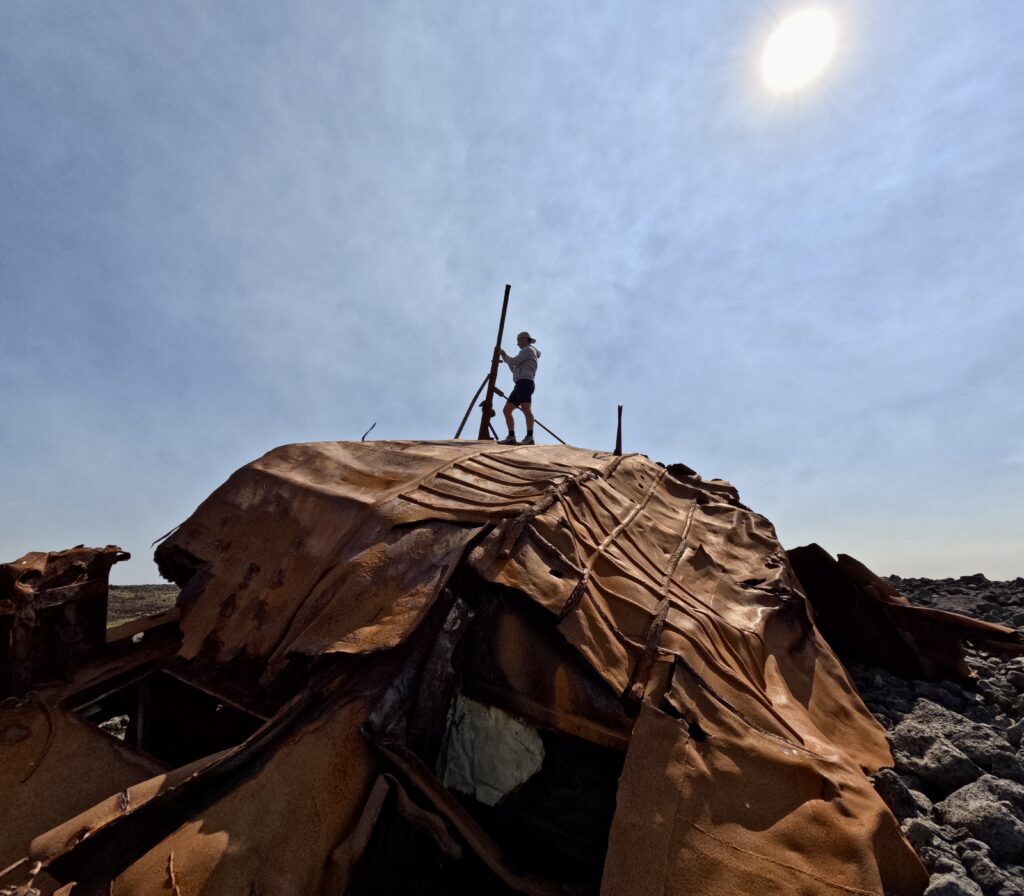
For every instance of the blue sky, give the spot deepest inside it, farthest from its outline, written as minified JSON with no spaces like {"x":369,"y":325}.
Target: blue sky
{"x":226,"y":227}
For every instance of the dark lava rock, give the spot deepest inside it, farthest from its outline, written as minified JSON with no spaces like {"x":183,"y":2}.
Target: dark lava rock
{"x":984,"y":810}
{"x":962,"y":745}
{"x":941,"y":767}
{"x":980,"y":743}
{"x":924,"y":805}
{"x":988,"y":875}
{"x":940,"y":694}
{"x":1009,"y":767}
{"x":1006,"y":791}
{"x":896,"y":795}
{"x":1015,"y":733}
{"x":981,"y":714}
{"x":952,"y":884}
{"x":929,"y":840}
{"x":946,"y":750}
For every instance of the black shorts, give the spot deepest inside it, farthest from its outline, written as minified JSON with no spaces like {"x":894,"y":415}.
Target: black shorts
{"x":522,"y":393}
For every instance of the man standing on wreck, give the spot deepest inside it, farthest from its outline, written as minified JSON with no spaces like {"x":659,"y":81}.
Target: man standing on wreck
{"x":524,"y":372}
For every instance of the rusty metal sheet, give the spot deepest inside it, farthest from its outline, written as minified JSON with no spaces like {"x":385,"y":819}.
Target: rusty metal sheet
{"x":53,"y":766}
{"x":739,"y":811}
{"x":521,"y":665}
{"x":676,"y":598}
{"x":273,"y":809}
{"x":314,"y":786}
{"x":866,"y":619}
{"x":667,"y":569}
{"x":637,"y":565}
{"x":53,"y":614}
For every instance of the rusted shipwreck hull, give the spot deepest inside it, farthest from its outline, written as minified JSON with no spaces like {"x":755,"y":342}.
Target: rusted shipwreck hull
{"x":457,"y":667}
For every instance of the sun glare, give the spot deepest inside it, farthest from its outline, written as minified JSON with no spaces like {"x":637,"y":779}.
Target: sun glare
{"x":798,"y":50}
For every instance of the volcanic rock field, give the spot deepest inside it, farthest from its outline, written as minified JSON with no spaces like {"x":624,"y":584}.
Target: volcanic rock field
{"x":958,"y":783}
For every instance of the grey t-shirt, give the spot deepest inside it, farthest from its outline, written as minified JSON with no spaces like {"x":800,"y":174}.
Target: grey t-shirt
{"x":524,"y":365}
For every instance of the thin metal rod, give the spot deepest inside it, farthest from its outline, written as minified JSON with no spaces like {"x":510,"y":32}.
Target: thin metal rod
{"x":487,"y":408}
{"x":498,"y":391}
{"x":472,"y":402}
{"x":618,"y":434}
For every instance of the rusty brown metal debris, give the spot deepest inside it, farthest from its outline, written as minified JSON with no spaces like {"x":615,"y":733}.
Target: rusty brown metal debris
{"x":640,"y":627}
{"x":867,"y":620}
{"x":53,"y":614}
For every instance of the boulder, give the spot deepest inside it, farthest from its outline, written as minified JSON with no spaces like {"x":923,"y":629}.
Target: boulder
{"x":984,"y":809}
{"x":924,"y":834}
{"x":1015,"y":733}
{"x":987,"y":874}
{"x":929,"y":723}
{"x":952,"y":883}
{"x":896,"y":794}
{"x":941,"y":767}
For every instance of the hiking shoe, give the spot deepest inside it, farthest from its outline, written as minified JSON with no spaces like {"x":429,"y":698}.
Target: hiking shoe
{"x":527,"y":441}
{"x":509,"y":440}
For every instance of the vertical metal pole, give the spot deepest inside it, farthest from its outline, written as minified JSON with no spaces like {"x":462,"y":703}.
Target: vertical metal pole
{"x":487,"y":410}
{"x":618,"y":434}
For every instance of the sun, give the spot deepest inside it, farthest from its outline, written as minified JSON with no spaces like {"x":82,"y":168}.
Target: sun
{"x":798,"y":50}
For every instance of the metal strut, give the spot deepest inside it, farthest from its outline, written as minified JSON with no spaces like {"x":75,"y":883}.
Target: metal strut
{"x":487,"y":408}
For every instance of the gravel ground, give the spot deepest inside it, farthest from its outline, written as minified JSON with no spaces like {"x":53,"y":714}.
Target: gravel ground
{"x":131,"y":601}
{"x":958,"y":782}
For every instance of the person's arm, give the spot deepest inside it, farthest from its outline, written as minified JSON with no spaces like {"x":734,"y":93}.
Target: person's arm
{"x":524,"y":353}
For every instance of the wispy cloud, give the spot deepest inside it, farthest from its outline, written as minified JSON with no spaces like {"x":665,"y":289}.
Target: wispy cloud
{"x":229,"y":227}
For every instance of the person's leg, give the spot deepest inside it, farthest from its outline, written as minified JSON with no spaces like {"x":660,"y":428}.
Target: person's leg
{"x":526,"y":406}
{"x":507,"y":411}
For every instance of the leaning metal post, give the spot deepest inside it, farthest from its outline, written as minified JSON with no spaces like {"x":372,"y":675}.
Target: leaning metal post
{"x":469,"y":410}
